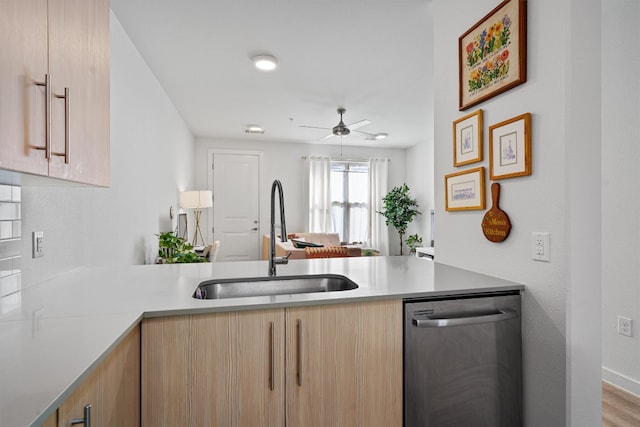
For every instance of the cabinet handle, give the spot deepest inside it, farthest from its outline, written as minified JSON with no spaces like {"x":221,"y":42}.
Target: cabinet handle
{"x":272,"y":361}
{"x":299,"y":351}
{"x":67,"y":124}
{"x":47,"y":115}
{"x":87,"y":417}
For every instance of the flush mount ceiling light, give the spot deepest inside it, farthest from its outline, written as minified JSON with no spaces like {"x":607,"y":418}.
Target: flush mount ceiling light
{"x":376,"y":136}
{"x":254,"y":129}
{"x":265,"y":62}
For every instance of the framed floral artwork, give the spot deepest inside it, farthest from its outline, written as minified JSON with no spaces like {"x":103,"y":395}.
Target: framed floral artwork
{"x":492,"y":55}
{"x":510,"y":148}
{"x":464,"y":191}
{"x":467,"y":139}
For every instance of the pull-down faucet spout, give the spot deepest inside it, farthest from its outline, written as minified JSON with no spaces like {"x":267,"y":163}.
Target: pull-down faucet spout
{"x":273,"y":260}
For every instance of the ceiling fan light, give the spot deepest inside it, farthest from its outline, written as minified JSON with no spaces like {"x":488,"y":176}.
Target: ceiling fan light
{"x":265,"y":62}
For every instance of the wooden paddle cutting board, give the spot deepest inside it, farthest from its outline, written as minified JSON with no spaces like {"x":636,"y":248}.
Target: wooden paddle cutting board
{"x":495,"y":224}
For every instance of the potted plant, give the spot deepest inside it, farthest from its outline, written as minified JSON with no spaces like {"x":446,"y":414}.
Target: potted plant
{"x":399,"y":210}
{"x":413,"y":241}
{"x":175,"y":250}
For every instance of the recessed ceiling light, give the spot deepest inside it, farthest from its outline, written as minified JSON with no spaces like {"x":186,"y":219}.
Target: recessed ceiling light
{"x":254,"y":129}
{"x":265,"y":62}
{"x":381,"y":135}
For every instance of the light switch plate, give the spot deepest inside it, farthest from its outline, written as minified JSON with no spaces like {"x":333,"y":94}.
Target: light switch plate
{"x":38,"y":244}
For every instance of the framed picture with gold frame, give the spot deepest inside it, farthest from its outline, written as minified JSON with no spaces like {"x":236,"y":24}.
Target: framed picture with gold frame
{"x":492,"y":55}
{"x":464,"y":191}
{"x":510,"y":148}
{"x":467,"y":139}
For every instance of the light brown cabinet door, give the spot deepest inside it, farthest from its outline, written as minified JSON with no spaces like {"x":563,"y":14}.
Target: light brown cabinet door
{"x":344,"y":365}
{"x":221,"y":369}
{"x":79,"y":62}
{"x":112,"y":389}
{"x":23,"y":63}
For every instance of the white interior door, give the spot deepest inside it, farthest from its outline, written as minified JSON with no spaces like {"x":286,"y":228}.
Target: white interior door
{"x":236,"y":202}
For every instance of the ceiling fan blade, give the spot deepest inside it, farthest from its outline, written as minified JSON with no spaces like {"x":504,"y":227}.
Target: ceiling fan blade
{"x":326,"y":137}
{"x":313,"y":127}
{"x":359,"y":124}
{"x":366,"y":133}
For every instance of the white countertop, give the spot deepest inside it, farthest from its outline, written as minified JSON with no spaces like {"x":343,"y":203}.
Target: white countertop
{"x":62,"y":328}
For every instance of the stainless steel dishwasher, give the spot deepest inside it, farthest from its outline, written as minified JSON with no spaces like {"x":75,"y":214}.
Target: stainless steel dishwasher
{"x":463,"y":361}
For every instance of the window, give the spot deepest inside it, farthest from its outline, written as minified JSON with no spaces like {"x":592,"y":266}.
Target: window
{"x":349,"y":196}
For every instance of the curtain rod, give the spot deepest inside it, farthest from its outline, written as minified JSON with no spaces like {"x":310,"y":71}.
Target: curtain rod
{"x":346,"y":159}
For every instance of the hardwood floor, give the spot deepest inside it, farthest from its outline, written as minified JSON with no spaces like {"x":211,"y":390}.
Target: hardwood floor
{"x":619,"y":408}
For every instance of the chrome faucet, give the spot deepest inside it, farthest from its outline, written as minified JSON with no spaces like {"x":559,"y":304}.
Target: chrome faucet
{"x":273,"y":259}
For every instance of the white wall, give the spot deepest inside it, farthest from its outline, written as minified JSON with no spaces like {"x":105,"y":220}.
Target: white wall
{"x":620,"y":195}
{"x":283,"y":161}
{"x":560,"y":337}
{"x":151,"y":160}
{"x":419,"y":159}
{"x":583,"y":218}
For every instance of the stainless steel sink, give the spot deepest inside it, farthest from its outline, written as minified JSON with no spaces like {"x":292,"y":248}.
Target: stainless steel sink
{"x":275,"y":285}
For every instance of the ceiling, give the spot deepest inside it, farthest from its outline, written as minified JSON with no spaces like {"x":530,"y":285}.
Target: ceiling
{"x":372,"y":57}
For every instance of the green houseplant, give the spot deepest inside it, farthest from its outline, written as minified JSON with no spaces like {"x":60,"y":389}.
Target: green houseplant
{"x":175,"y":250}
{"x":413,"y":241}
{"x":399,"y":210}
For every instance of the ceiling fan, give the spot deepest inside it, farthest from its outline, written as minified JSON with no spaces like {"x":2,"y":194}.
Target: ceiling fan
{"x":343,"y":130}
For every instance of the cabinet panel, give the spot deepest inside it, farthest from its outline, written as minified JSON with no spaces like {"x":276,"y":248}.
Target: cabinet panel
{"x":79,"y":61}
{"x":52,"y":421}
{"x":165,"y":370}
{"x":120,"y":384}
{"x":344,"y":365}
{"x":23,"y":62}
{"x":113,"y":389}
{"x":214,"y":369}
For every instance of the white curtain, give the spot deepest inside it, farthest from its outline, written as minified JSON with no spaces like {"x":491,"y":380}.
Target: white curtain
{"x":319,"y":202}
{"x":378,"y":181}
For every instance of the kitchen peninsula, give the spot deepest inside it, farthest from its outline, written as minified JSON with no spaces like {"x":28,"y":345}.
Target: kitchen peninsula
{"x":63,"y":328}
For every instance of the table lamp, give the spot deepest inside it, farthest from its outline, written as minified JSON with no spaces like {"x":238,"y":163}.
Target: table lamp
{"x":196,"y":200}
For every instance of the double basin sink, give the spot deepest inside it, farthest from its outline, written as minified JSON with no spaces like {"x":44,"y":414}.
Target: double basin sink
{"x":273,"y":285}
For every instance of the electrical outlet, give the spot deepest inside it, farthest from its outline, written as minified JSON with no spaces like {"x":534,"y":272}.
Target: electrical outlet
{"x":540,"y":246}
{"x":38,"y":244}
{"x":624,"y":326}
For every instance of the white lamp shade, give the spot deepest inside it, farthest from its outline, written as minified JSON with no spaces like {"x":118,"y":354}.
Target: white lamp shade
{"x":196,"y":199}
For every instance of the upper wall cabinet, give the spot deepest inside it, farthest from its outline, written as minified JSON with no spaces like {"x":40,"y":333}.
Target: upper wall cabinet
{"x":54,"y":81}
{"x":23,"y":63}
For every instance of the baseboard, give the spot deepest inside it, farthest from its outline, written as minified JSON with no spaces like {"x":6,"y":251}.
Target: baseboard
{"x":622,"y":381}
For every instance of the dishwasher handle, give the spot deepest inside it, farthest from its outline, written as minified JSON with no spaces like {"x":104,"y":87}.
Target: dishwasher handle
{"x":460,"y":319}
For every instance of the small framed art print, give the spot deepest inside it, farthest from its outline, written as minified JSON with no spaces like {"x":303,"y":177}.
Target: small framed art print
{"x":467,"y":139}
{"x":510,"y":148}
{"x":464,"y":191}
